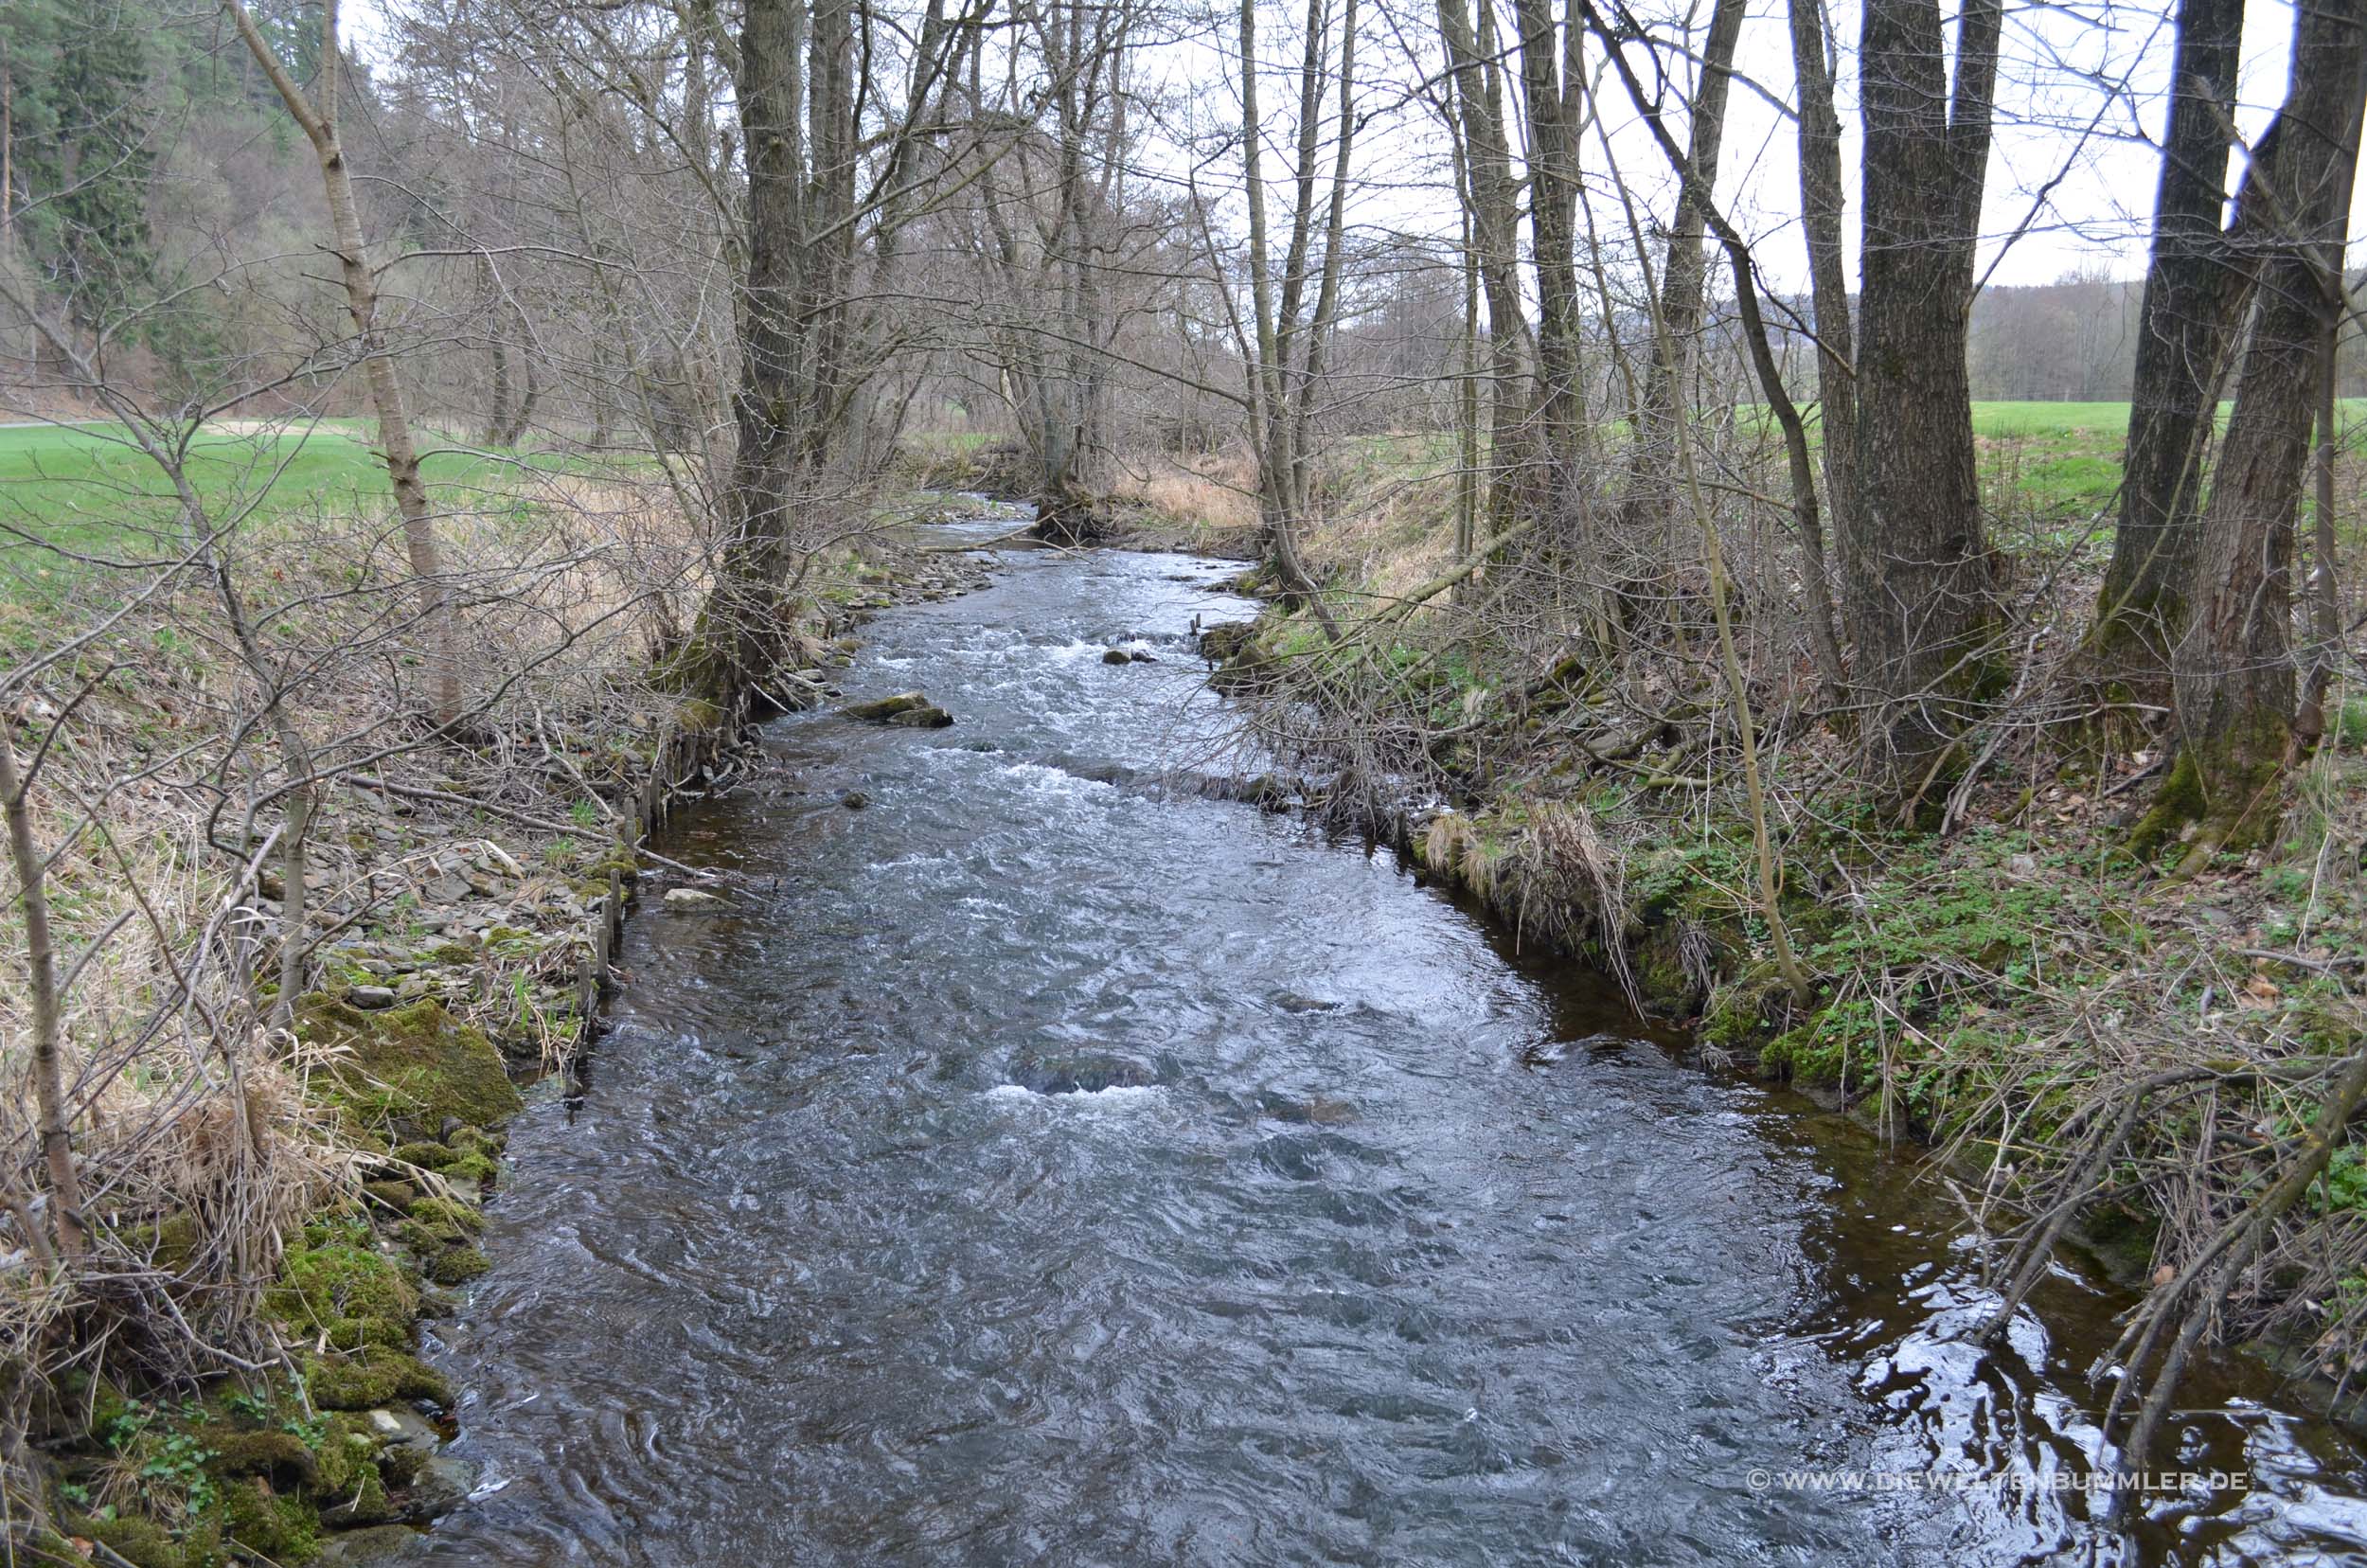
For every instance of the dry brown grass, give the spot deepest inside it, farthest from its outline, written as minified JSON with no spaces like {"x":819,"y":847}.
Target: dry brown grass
{"x":158,"y":794}
{"x":1205,"y":502}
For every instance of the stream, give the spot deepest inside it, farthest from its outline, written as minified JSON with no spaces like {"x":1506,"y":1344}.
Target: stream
{"x":1034,"y":1163}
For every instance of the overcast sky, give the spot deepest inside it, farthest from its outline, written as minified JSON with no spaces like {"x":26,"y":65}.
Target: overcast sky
{"x":2081,"y":101}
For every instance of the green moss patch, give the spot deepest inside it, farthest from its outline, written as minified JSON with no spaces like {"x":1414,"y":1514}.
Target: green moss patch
{"x":371,"y":1377}
{"x":410,"y":1068}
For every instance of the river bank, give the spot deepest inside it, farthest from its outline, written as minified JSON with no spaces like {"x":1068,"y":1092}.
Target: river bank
{"x":466,"y":911}
{"x":1046,"y":736}
{"x":1042,"y":1159}
{"x":2133,"y":1052}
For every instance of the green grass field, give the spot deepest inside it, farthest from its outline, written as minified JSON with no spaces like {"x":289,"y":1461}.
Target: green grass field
{"x":68,"y":490}
{"x":2058,"y":463}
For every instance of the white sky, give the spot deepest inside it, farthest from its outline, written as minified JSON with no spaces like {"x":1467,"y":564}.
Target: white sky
{"x":2081,"y":97}
{"x":2094,"y":135}
{"x":2081,"y":100}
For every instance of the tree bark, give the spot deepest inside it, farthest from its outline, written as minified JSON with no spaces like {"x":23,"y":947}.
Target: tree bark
{"x":1648,"y":511}
{"x":1288,"y":343}
{"x":55,"y":1123}
{"x":774,"y":391}
{"x":1553,"y":94}
{"x":1914,"y":564}
{"x":2325,"y":592}
{"x":2233,"y":668}
{"x":2194,"y":290}
{"x":1823,"y":204}
{"x":1496,"y":238}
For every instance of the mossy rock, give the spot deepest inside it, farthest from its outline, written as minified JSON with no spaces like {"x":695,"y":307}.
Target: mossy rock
{"x":475,"y":1140}
{"x":447,"y":1213}
{"x":1227,"y":640}
{"x":364,"y":1501}
{"x":348,"y":1447}
{"x":352,"y":1333}
{"x":428,"y":1239}
{"x":1738,"y":1013}
{"x":398,"y":1195}
{"x":882,"y":710}
{"x":142,"y":1543}
{"x":427,"y":1156}
{"x":280,"y":1457}
{"x":470,"y":1167}
{"x":282,"y":1528}
{"x":412,"y":1066}
{"x":319,"y":1285}
{"x":371,"y":1377}
{"x":458,"y":1265}
{"x":401,"y":1465}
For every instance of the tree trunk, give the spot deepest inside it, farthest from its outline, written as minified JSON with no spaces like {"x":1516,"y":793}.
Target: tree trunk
{"x":54,"y":1125}
{"x":1914,"y":564}
{"x":1553,"y":89}
{"x":1648,"y":510}
{"x":742,"y":629}
{"x":497,"y":398}
{"x":523,"y":415}
{"x":2325,"y":592}
{"x":319,"y":124}
{"x":2194,"y":290}
{"x":1496,"y":237}
{"x":1822,"y":206}
{"x":2232,"y":666}
{"x":1287,"y":346}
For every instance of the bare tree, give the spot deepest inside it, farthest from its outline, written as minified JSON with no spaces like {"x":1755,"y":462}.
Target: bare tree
{"x":1822,"y":205}
{"x":1915,"y":557}
{"x":2194,"y":288}
{"x":1650,"y":505}
{"x":2232,"y":666}
{"x":1288,"y":335}
{"x":317,"y":117}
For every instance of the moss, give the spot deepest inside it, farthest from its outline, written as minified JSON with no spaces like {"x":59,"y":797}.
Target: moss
{"x":362,"y":1501}
{"x":178,"y":1237}
{"x":48,"y":1545}
{"x":285,"y":1529}
{"x":280,"y":1456}
{"x":372,"y":1377}
{"x":349,"y":1445}
{"x":454,"y":954}
{"x":470,"y":1167}
{"x":458,"y":1265}
{"x":428,"y":1239}
{"x":340,"y":1279}
{"x":427,"y":1156}
{"x":449,"y":1214}
{"x":619,"y":859}
{"x":398,"y":1195}
{"x":401,"y":1466}
{"x":2180,"y":802}
{"x":142,"y":1543}
{"x":1814,"y":1053}
{"x":411,"y":1066}
{"x":1736,"y":1014}
{"x":352,"y":1333}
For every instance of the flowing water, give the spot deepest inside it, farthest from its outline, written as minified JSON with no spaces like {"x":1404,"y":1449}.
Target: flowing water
{"x":1039,"y":1165}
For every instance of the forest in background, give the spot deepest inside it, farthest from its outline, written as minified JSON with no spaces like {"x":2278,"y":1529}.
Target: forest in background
{"x":444,"y":431}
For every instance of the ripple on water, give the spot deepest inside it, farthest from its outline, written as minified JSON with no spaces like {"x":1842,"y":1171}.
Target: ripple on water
{"x":1363,"y":1238}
